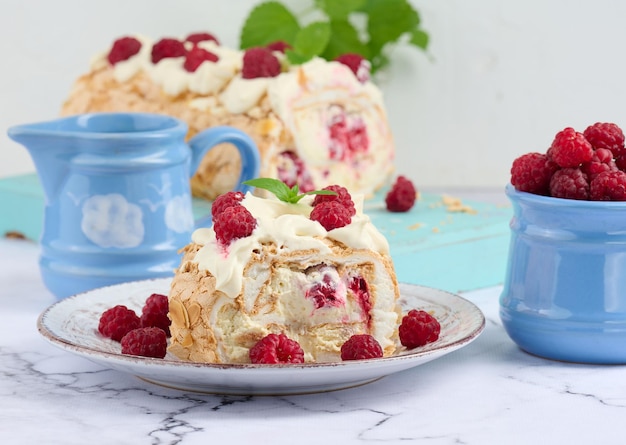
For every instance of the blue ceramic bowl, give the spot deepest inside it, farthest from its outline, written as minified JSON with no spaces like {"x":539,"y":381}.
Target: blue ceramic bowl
{"x":564,"y":295}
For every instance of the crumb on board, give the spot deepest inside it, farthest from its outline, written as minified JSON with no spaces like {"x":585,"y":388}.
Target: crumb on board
{"x":456,"y":205}
{"x":452,"y":205}
{"x":14,"y":234}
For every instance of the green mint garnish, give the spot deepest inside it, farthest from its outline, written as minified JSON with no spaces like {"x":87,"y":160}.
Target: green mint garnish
{"x":283,"y":191}
{"x":365,"y":27}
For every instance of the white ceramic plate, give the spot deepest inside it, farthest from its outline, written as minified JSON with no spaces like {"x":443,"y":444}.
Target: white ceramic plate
{"x":72,"y":324}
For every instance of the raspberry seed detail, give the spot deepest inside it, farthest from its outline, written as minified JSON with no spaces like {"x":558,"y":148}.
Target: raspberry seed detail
{"x":418,"y":328}
{"x":117,"y":321}
{"x":145,"y":342}
{"x":276,"y":349}
{"x":361,"y":347}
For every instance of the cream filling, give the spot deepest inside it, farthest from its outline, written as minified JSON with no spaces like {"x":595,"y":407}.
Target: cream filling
{"x":320,"y":331}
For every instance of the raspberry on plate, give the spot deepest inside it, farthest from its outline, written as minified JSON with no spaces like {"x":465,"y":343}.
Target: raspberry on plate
{"x":117,"y":321}
{"x":123,"y":49}
{"x":531,"y":173}
{"x":342,"y":196}
{"x":331,"y":215}
{"x":276,"y":349}
{"x":167,"y":47}
{"x":361,"y":347}
{"x":233,"y":223}
{"x":196,"y":57}
{"x":260,"y":62}
{"x":418,"y":328}
{"x":154,"y":313}
{"x":608,"y":186}
{"x":569,"y":183}
{"x":146,"y":342}
{"x":402,"y":195}
{"x":570,"y":148}
{"x":225,"y":200}
{"x":605,"y":135}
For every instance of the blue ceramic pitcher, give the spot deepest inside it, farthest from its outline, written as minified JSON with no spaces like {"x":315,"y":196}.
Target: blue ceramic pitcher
{"x":117,"y":194}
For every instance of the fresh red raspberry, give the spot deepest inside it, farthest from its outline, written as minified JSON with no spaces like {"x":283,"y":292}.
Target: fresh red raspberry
{"x":343,"y":197}
{"x":196,"y":57}
{"x":570,"y":148}
{"x":608,"y":186}
{"x":225,"y":200}
{"x":146,"y":342}
{"x":233,"y":223}
{"x":531,"y":173}
{"x":117,"y":321}
{"x":279,"y":45}
{"x":402,"y":195}
{"x":259,"y":62}
{"x":357,"y":63}
{"x":201,"y":37}
{"x":167,"y":48}
{"x":361,"y":347}
{"x":154,"y":313}
{"x":602,"y":161}
{"x":605,"y":135}
{"x":123,"y":49}
{"x":418,"y":328}
{"x":331,"y":215}
{"x":276,"y":348}
{"x":569,"y":183}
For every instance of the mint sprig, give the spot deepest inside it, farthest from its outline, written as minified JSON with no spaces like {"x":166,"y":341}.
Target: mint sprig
{"x":283,"y":191}
{"x":365,"y":27}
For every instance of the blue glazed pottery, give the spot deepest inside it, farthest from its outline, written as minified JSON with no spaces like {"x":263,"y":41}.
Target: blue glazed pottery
{"x":564,"y":295}
{"x":117,"y":194}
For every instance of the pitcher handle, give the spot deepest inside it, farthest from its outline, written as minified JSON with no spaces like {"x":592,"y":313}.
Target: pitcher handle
{"x":204,"y":141}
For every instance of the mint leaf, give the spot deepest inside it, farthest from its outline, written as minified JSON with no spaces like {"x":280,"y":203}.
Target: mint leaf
{"x":267,"y":23}
{"x":387,"y":21}
{"x":282,"y":191}
{"x":295,"y":57}
{"x":379,"y":61}
{"x":339,"y":9}
{"x":345,"y":39}
{"x":419,"y":38}
{"x":278,"y":188}
{"x":365,"y":27}
{"x":312,"y":39}
{"x":310,"y":42}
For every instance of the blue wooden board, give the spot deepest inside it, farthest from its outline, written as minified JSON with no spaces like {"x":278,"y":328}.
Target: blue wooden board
{"x":430,"y":245}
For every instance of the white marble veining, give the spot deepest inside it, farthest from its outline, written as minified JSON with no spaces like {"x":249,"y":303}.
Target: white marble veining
{"x":489,"y":392}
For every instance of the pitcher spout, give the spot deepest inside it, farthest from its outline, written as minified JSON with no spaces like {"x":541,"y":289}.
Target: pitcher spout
{"x":50,"y":150}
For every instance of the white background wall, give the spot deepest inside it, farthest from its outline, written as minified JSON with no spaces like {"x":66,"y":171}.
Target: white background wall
{"x":501,"y":78}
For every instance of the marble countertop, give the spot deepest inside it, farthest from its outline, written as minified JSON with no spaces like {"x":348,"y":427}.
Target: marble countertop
{"x":489,"y":392}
